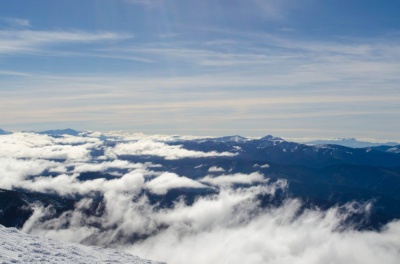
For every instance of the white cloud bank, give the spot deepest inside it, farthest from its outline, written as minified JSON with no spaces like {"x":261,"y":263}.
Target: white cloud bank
{"x":167,"y":181}
{"x":274,"y":237}
{"x":13,"y":171}
{"x":147,"y":147}
{"x":34,"y":146}
{"x":103,"y":166}
{"x":229,"y":227}
{"x":237,"y":178}
{"x":216,"y":169}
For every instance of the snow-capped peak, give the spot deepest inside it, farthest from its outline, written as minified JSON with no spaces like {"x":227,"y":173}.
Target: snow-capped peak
{"x":235,"y":138}
{"x":271,"y":138}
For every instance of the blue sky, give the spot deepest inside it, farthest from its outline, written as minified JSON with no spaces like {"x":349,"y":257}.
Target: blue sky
{"x":289,"y":68}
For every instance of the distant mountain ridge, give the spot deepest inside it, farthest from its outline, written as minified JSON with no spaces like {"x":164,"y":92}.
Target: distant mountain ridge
{"x":349,"y":142}
{"x":60,"y":132}
{"x":235,"y":138}
{"x":278,"y":150}
{"x":345,"y":142}
{"x":316,"y":154}
{"x":4,"y":132}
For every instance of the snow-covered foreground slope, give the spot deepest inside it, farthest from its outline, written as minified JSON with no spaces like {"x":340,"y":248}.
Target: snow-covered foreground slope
{"x":17,"y":247}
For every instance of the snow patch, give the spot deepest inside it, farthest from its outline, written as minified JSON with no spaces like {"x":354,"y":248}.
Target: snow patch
{"x":17,"y":247}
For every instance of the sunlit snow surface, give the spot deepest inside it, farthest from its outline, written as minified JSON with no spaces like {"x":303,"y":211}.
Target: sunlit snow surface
{"x":17,"y":247}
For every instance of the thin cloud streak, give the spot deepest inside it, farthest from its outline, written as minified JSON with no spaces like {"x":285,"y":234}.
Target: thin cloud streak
{"x":17,"y":22}
{"x":26,"y":41}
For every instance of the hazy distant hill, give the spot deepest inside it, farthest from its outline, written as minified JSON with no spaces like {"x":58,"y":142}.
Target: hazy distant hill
{"x":350,"y":142}
{"x":59,"y":132}
{"x":3,"y":132}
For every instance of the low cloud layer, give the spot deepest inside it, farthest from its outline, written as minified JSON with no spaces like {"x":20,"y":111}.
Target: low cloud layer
{"x":226,"y":224}
{"x":167,"y":181}
{"x":237,"y":178}
{"x":216,"y":169}
{"x":148,"y":147}
{"x":35,"y":146}
{"x":273,"y":236}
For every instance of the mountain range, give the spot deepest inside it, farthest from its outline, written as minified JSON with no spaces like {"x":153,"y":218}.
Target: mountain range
{"x":323,"y":175}
{"x":350,"y":142}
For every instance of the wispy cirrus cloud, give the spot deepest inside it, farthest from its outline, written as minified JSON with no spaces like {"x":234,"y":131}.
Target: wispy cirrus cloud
{"x":147,"y":3}
{"x":23,"y":41}
{"x":275,"y":9}
{"x":17,"y":22}
{"x":15,"y":73}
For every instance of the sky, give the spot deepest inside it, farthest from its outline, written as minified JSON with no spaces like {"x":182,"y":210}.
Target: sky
{"x":318,"y":69}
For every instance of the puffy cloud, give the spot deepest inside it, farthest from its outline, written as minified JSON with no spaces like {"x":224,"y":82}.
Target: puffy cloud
{"x":148,"y":147}
{"x":64,"y":184}
{"x":212,"y":211}
{"x":124,"y":217}
{"x":35,"y":146}
{"x":264,"y":166}
{"x":216,"y":169}
{"x":14,"y":171}
{"x":167,"y":181}
{"x":28,"y":154}
{"x":227,"y":227}
{"x":275,"y":236}
{"x":116,"y":164}
{"x":237,"y":178}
